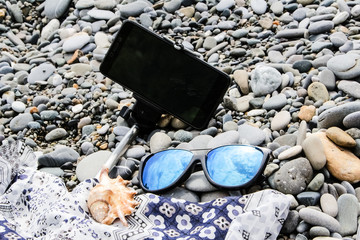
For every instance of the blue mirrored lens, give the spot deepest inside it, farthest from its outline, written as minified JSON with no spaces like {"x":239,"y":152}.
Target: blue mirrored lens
{"x":233,"y":165}
{"x":163,"y":168}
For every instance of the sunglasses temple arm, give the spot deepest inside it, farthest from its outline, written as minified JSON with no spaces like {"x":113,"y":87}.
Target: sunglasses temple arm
{"x":120,"y":149}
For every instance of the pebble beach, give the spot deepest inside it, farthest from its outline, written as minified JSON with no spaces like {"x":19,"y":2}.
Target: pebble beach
{"x":295,"y":92}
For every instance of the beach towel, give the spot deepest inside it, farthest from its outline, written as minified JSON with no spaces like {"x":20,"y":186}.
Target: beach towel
{"x":37,"y":205}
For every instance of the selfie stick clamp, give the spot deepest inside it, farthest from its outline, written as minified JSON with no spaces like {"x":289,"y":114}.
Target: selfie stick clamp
{"x":142,"y":117}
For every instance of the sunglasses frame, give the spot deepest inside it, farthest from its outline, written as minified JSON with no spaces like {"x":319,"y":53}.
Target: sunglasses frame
{"x":196,"y":158}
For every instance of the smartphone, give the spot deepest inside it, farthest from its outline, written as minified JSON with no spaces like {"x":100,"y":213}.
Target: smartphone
{"x":164,"y":74}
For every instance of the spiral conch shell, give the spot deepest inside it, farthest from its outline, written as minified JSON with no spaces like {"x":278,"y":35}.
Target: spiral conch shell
{"x":111,"y":199}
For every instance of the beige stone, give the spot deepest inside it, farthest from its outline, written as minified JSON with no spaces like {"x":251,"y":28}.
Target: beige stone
{"x":317,"y":91}
{"x":307,"y":112}
{"x":314,"y":151}
{"x":241,"y":78}
{"x":341,"y":163}
{"x":188,"y":11}
{"x":340,"y":137}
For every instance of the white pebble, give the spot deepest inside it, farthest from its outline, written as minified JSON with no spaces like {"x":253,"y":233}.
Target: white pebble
{"x":77,"y":108}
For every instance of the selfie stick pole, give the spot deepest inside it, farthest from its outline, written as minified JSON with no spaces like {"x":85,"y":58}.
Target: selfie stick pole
{"x":120,"y":148}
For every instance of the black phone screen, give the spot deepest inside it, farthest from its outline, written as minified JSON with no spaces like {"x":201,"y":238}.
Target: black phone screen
{"x":171,"y":79}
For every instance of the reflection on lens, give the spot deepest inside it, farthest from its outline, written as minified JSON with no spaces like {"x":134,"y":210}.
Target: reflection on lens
{"x":233,"y":165}
{"x":163,"y":168}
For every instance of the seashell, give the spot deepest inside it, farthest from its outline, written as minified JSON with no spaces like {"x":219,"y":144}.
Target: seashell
{"x":111,"y":199}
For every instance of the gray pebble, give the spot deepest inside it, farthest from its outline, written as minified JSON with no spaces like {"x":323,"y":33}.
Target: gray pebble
{"x":89,"y":166}
{"x":40,"y":73}
{"x":329,"y":204}
{"x":159,"y":141}
{"x":258,"y":6}
{"x":318,"y":218}
{"x":264,"y":80}
{"x":291,"y":222}
{"x":335,"y":115}
{"x":347,"y":217}
{"x":226,"y":138}
{"x":133,"y":9}
{"x":293,"y":176}
{"x":136,"y":152}
{"x":317,"y":182}
{"x":317,"y":231}
{"x":197,"y":182}
{"x":20,"y":122}
{"x":253,"y":135}
{"x":351,"y":88}
{"x":56,"y":134}
{"x":182,"y":193}
{"x":172,"y":6}
{"x":55,"y":8}
{"x":58,"y":157}
{"x":308,"y":198}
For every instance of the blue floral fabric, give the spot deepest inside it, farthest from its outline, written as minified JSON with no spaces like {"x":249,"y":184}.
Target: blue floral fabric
{"x":37,"y":206}
{"x":178,"y":219}
{"x":7,"y":230}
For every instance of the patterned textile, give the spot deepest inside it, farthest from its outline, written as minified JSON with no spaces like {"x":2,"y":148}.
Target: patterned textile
{"x":37,"y":205}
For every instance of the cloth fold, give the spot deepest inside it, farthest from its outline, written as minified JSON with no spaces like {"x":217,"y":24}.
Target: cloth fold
{"x":37,"y":205}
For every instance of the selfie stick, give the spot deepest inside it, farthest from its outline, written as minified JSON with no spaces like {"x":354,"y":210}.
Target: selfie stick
{"x":120,"y":148}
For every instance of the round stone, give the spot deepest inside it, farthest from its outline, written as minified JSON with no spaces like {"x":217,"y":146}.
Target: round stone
{"x":345,"y":66}
{"x":290,"y":153}
{"x":327,"y":78}
{"x":276,"y":102}
{"x":293,"y":176}
{"x":226,"y":138}
{"x":302,"y":66}
{"x":253,"y":135}
{"x":57,"y":158}
{"x":308,"y":198}
{"x":351,"y":88}
{"x":340,"y":137}
{"x":159,"y":141}
{"x":241,"y":78}
{"x":341,"y":163}
{"x":77,"y":41}
{"x":352,"y":120}
{"x":307,"y":113}
{"x":20,"y":122}
{"x":183,"y":136}
{"x":258,"y":6}
{"x":225,"y":4}
{"x":318,"y":218}
{"x":320,"y":27}
{"x":40,"y":73}
{"x":347,"y":217}
{"x":18,"y":106}
{"x":197,"y":182}
{"x":334,"y":116}
{"x":317,"y":91}
{"x":314,"y":151}
{"x":133,"y":9}
{"x":317,"y":182}
{"x":329,"y":204}
{"x":55,"y":8}
{"x":56,"y":134}
{"x":264,"y":80}
{"x":319,"y":231}
{"x":280,"y":121}
{"x":91,"y":165}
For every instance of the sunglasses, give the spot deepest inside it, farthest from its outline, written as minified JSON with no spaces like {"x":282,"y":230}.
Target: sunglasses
{"x":228,"y":167}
